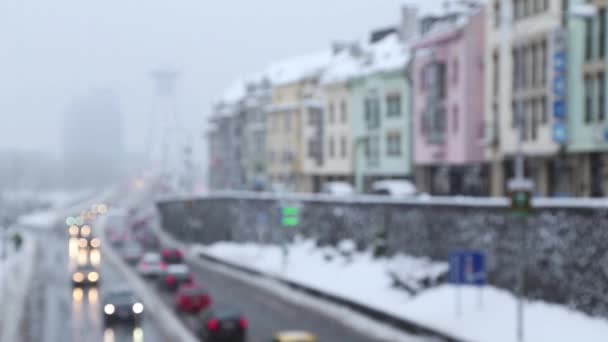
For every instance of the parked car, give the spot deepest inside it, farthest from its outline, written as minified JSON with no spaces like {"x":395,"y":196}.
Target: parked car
{"x":175,"y":276}
{"x":121,"y":305}
{"x":151,"y":265}
{"x":394,"y":188}
{"x":172,"y":256}
{"x":294,"y":336}
{"x":337,"y":189}
{"x":192,"y":298}
{"x":224,"y":325}
{"x":85,"y":275}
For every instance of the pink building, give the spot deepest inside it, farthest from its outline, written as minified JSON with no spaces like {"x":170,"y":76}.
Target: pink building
{"x":448,"y":104}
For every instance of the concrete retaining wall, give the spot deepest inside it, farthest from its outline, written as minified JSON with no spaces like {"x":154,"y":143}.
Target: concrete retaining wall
{"x":563,"y":243}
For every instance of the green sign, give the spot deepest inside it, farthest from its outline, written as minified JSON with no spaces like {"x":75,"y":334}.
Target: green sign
{"x":290,"y":216}
{"x":521,"y":202}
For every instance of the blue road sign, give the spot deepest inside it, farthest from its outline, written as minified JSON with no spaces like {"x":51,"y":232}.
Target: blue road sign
{"x":559,"y":86}
{"x":559,"y":61}
{"x":559,"y":132}
{"x":468,"y":268}
{"x":559,"y":109}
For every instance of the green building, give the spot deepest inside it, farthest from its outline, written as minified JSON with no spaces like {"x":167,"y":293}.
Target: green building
{"x":380,"y":103}
{"x":587,"y":128}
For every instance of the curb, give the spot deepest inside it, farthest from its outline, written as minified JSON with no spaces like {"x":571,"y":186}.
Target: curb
{"x":173,"y":329}
{"x":16,"y":304}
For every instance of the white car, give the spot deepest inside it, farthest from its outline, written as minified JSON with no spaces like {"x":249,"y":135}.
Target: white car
{"x":338,"y":189}
{"x":151,"y":266}
{"x":394,"y":188}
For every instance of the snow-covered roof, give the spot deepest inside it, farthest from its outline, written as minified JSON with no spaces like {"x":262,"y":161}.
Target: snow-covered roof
{"x":386,"y":55}
{"x":298,"y":68}
{"x":438,"y":7}
{"x":343,"y":66}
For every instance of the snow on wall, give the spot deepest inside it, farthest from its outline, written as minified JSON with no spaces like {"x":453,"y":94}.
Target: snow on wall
{"x":566,"y":261}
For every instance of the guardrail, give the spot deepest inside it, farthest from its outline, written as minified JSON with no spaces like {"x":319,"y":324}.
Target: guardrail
{"x":172,"y":328}
{"x":15,"y":296}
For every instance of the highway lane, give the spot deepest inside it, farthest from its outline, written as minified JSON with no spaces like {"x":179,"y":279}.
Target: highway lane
{"x":57,"y":312}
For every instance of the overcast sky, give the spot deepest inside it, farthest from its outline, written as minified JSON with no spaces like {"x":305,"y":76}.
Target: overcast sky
{"x":54,"y":50}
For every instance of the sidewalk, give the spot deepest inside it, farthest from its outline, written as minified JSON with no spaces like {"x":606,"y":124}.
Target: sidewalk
{"x":365,"y":280}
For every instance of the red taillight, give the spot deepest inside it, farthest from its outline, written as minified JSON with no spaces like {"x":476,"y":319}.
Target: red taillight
{"x":163,"y":266}
{"x":179,"y":254}
{"x":206,"y":301}
{"x":213,"y":325}
{"x":165,"y":254}
{"x":243,"y":323}
{"x":170,"y":280}
{"x":144,"y":266}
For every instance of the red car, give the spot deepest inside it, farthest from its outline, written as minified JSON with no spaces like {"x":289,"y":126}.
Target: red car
{"x":172,"y":256}
{"x":192,"y":298}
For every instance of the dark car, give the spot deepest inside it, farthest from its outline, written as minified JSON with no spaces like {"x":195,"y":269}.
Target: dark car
{"x":192,"y":298}
{"x":172,"y":256}
{"x":175,"y":276}
{"x":224,"y":325}
{"x":85,"y":275}
{"x":121,"y":305}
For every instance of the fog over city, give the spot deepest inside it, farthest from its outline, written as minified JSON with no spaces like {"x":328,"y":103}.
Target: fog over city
{"x":54,"y":51}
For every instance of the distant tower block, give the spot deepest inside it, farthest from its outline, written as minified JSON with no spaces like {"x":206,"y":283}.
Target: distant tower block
{"x":165,"y":145}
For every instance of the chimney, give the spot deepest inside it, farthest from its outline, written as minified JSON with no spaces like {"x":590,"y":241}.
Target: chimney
{"x":409,"y":23}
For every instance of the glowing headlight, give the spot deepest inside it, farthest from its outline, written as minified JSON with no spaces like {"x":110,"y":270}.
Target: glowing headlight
{"x":85,"y":231}
{"x":108,"y":309}
{"x":138,"y":308}
{"x":73,"y":230}
{"x":78,"y":277}
{"x":95,"y":243}
{"x":93,"y":276}
{"x":82,"y":243}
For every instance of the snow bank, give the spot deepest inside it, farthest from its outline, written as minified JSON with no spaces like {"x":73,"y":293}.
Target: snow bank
{"x":365,"y":280}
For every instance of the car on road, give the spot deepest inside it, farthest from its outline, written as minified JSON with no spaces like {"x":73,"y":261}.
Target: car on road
{"x":121,"y":305}
{"x":151,"y":265}
{"x":85,"y":275}
{"x":224,"y":325}
{"x":175,"y":276}
{"x":192,"y":298}
{"x":172,"y":255}
{"x":132,"y":253}
{"x":294,"y":336}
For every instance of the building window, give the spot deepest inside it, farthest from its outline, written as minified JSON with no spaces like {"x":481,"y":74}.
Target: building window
{"x":331,"y":112}
{"x":372,"y":112}
{"x":287,"y":121}
{"x":544,"y":62}
{"x":588,"y":99}
{"x":393,"y":144}
{"x":496,"y":69}
{"x":373,"y":151}
{"x":343,"y":112}
{"x":497,"y":13}
{"x":455,"y":72}
{"x":332,"y":148}
{"x":534,"y":120}
{"x":588,"y":40}
{"x":312,"y":117}
{"x":534,"y":56}
{"x":524,"y":121}
{"x":271,"y":156}
{"x":543,"y":110}
{"x":393,"y":105}
{"x":602,"y":34}
{"x":455,"y":119}
{"x":601,"y":84}
{"x":514,"y":115}
{"x":312,"y":148}
{"x":343,"y":147}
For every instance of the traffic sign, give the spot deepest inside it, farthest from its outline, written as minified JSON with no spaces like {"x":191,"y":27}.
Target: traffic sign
{"x":559,"y":109}
{"x":559,"y":86}
{"x":468,"y":268}
{"x":289,"y":216}
{"x":559,"y":132}
{"x":520,"y":192}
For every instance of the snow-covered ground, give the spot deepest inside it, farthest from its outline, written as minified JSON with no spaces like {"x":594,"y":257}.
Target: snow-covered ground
{"x":366,"y":280}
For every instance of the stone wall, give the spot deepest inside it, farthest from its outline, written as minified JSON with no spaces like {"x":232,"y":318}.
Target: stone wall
{"x":564,"y":244}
